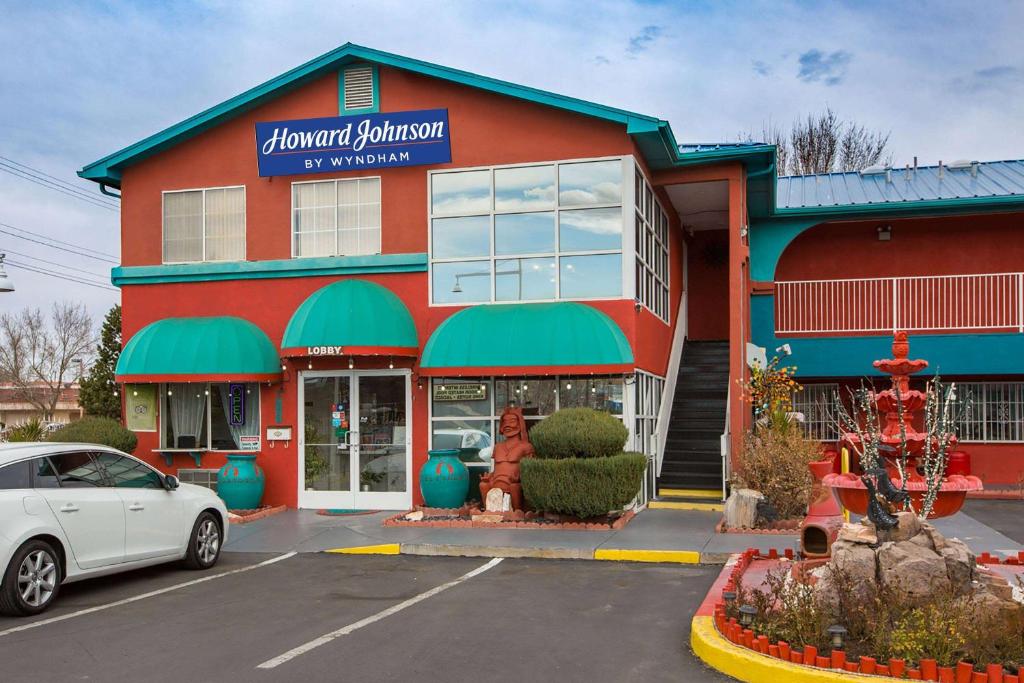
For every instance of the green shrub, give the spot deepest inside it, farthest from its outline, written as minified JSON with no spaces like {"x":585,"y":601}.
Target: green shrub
{"x":101,"y":430}
{"x":27,"y":431}
{"x":578,"y":433}
{"x":582,"y":487}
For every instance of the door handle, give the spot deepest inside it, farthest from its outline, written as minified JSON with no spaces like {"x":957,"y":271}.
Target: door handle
{"x":69,"y":507}
{"x":135,"y":507}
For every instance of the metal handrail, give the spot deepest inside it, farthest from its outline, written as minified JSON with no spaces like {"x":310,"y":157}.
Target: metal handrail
{"x":669,"y":391}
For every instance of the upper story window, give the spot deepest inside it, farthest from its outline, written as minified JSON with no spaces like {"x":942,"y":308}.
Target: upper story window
{"x":336,"y":217}
{"x":204,"y":225}
{"x":527,"y":233}
{"x":652,"y":281}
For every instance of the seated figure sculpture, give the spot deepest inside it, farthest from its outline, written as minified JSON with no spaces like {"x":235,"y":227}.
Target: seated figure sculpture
{"x":507,"y":456}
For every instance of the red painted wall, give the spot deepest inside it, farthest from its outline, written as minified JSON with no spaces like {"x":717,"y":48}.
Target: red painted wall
{"x":920,"y":246}
{"x":485,"y":129}
{"x":708,"y":278}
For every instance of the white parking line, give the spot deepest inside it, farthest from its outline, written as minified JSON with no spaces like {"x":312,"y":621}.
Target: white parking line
{"x":328,"y":637}
{"x":151,"y":594}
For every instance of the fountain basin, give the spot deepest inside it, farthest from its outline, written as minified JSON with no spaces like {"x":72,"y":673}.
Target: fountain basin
{"x":853,"y":495}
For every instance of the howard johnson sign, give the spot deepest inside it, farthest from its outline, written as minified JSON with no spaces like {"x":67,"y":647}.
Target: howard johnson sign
{"x":341,"y":143}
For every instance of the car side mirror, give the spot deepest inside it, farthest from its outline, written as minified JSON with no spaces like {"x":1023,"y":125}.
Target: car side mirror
{"x":171,"y":482}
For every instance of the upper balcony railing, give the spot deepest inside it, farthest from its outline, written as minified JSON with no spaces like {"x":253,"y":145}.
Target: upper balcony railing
{"x":990,"y":302}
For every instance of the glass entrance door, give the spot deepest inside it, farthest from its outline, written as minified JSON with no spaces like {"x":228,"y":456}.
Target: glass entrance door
{"x":355,"y":450}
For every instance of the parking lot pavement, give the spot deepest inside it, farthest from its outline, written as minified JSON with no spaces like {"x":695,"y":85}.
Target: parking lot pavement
{"x":395,"y":618}
{"x":1002,"y":515}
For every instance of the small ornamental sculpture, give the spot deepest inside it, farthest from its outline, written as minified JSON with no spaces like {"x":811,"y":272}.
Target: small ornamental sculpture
{"x":507,"y":456}
{"x":882,"y":497}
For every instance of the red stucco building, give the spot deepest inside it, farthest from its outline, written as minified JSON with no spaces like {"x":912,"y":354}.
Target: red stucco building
{"x":402,"y":249}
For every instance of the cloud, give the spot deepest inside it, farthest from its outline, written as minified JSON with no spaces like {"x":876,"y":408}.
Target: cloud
{"x":997,"y":77}
{"x":829,"y":68}
{"x":760,"y":68}
{"x":642,"y":41}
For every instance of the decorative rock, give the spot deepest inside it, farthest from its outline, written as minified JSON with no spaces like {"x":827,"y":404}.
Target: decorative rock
{"x":857,"y":533}
{"x":415,"y":516}
{"x":938,"y":540}
{"x":959,"y":564}
{"x":909,"y":525}
{"x":741,"y":508}
{"x":489,"y":517}
{"x":911,"y":568}
{"x":495,"y":500}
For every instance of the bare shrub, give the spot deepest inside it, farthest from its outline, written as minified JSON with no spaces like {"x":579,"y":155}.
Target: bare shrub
{"x":774,"y":462}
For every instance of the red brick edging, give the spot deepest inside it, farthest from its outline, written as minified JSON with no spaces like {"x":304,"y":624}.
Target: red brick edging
{"x":513,"y":521}
{"x":246,"y":516}
{"x":784,"y":526}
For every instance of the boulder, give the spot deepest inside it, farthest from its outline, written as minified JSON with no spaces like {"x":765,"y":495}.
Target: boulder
{"x":909,"y":526}
{"x":938,"y":540}
{"x":856,"y":560}
{"x":911,"y":568}
{"x":857,"y":533}
{"x":959,"y":564}
{"x":741,"y":508}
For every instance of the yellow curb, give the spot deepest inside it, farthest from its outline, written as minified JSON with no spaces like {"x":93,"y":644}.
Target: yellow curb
{"x":682,"y":505}
{"x":674,"y":556}
{"x":383,"y":549}
{"x":747,"y":665}
{"x":690,"y":493}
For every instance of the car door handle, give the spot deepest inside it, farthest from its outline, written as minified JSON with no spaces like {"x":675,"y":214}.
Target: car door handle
{"x":69,"y":507}
{"x":135,"y":507}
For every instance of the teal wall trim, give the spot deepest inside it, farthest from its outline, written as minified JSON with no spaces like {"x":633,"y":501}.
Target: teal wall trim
{"x":262,"y":270}
{"x":768,"y":239}
{"x":341,"y":92}
{"x":948,"y":354}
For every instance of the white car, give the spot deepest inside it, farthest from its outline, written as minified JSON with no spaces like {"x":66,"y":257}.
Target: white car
{"x":74,"y":511}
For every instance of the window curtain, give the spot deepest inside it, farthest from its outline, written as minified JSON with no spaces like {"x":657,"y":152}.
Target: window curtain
{"x":225,"y":224}
{"x":252,"y":413}
{"x":188,"y":409}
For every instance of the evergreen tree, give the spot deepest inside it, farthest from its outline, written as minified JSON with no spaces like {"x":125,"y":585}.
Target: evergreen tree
{"x":97,"y":394}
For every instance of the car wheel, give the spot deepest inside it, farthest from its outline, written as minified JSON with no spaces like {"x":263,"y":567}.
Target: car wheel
{"x":204,"y":544}
{"x":32,"y":580}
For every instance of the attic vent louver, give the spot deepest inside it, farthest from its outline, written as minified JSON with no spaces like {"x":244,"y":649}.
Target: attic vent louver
{"x":358,"y":88}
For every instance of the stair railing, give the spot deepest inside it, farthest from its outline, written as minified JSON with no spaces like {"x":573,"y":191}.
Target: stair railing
{"x":726,"y":442}
{"x":669,"y":391}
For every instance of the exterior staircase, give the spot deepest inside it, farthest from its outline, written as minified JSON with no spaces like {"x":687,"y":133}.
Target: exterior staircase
{"x":691,"y":472}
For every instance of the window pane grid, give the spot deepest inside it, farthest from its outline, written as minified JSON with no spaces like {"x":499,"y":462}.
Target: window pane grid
{"x":817,"y":403}
{"x":532,"y":229}
{"x":336,"y":217}
{"x":204,"y":225}
{"x":651,"y":249}
{"x":995,"y":413}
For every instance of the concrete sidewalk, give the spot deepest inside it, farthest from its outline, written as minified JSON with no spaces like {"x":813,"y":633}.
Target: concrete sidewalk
{"x":686,"y":536}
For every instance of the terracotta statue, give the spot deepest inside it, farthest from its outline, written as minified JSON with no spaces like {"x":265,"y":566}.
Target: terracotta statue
{"x":507,"y":456}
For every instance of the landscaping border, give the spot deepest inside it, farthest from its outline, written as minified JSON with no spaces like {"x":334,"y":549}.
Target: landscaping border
{"x":252,"y":515}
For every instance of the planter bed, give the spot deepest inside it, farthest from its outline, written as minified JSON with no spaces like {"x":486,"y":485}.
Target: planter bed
{"x":782,"y":526}
{"x":246,"y":516}
{"x":749,"y":569}
{"x":463,"y":518}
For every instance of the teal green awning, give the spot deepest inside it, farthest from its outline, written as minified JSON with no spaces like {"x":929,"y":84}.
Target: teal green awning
{"x":548,"y":338}
{"x":221,"y":348}
{"x":351,"y":317}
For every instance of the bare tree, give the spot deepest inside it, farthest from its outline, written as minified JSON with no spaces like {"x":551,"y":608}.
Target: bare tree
{"x":41,"y":356}
{"x":824,"y":143}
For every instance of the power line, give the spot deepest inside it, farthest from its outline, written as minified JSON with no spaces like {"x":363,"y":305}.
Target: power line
{"x":79,"y":249}
{"x":52,"y":263}
{"x":69,"y":278}
{"x":24,"y":175}
{"x":76,"y":188}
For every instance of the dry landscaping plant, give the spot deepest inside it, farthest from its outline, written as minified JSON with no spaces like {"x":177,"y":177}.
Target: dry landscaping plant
{"x":774,"y":462}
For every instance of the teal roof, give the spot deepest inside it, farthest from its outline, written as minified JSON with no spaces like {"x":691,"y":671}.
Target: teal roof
{"x":492,"y":338}
{"x":353,"y":313}
{"x":652,"y":134}
{"x":217,"y":348}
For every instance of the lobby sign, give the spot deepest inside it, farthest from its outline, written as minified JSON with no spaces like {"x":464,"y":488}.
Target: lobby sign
{"x":346,"y":143}
{"x":140,"y":407}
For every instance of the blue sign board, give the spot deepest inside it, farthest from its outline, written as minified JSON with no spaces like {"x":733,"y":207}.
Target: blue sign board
{"x":347,"y":143}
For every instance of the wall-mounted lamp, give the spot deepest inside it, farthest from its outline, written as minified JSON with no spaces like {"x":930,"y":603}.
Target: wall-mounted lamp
{"x":884,"y":233}
{"x":785,"y":350}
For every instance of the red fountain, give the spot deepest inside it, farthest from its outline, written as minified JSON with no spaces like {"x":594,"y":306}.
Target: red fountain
{"x":851,"y":490}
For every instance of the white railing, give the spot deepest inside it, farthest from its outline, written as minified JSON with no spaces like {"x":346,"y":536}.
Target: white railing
{"x":725,"y":443}
{"x":669,"y":392}
{"x":983,"y":302}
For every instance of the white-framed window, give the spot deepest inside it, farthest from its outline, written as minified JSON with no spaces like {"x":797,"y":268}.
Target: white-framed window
{"x":530,"y":232}
{"x":995,"y":413}
{"x":336,"y":217}
{"x":817,"y":403}
{"x":652,"y":251}
{"x":204,"y":225}
{"x":199,"y":477}
{"x":209,"y":416}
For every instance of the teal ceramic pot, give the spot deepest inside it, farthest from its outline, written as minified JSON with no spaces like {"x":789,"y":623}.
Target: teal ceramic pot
{"x":240,"y":482}
{"x":444,"y":480}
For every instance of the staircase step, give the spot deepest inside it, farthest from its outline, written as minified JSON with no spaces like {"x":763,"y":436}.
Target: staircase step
{"x":704,"y":506}
{"x":691,"y":467}
{"x":690,"y":494}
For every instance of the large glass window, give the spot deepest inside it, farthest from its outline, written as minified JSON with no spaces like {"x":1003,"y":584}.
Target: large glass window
{"x":336,"y":217}
{"x":218,"y":417}
{"x":204,"y":225}
{"x":527,"y":233}
{"x":652,"y":257}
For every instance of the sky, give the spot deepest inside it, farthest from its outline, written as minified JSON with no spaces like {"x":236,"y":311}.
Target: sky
{"x":80,"y":80}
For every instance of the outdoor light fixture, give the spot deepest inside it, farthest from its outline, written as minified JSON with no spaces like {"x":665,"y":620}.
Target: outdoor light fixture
{"x":747,"y":614}
{"x":309,"y":365}
{"x":6,"y":285}
{"x":351,"y":363}
{"x":884,"y":233}
{"x":729,"y":597}
{"x":170,"y":392}
{"x":838,"y":635}
{"x":457,"y":289}
{"x":283,"y":367}
{"x":391,"y":364}
{"x":785,"y":350}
